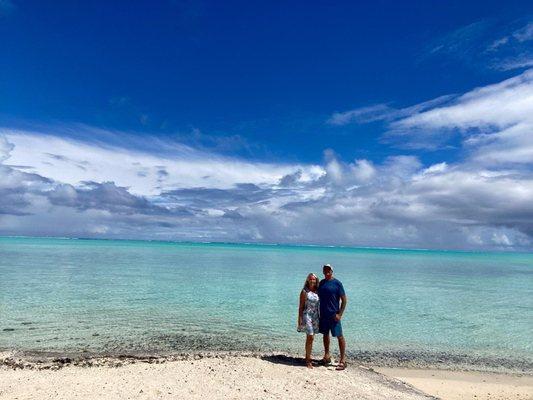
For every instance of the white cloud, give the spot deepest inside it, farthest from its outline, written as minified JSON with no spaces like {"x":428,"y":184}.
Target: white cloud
{"x":501,"y":239}
{"x":486,"y":44}
{"x":511,"y":145}
{"x":498,"y":43}
{"x":397,"y":203}
{"x":74,"y":161}
{"x":363,"y":170}
{"x":381,"y":112}
{"x":525,"y":33}
{"x":435,"y":168}
{"x":5,"y":148}
{"x":495,"y":121}
{"x":503,"y":104}
{"x":362,"y":115}
{"x":511,"y":63}
{"x":333,"y":167}
{"x":522,"y":34}
{"x":171,"y":191}
{"x":461,"y":41}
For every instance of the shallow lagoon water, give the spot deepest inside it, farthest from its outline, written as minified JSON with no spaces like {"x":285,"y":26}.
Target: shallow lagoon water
{"x":111,"y":296}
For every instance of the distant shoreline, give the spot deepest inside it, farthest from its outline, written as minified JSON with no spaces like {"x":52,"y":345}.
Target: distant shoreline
{"x":276,"y":245}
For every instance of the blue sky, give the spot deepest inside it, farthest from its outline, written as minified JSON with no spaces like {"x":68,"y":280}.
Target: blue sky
{"x":238,"y":120}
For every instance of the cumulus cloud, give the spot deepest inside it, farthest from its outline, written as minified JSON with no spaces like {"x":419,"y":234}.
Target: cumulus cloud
{"x":363,"y":170}
{"x":147,"y":208}
{"x":483,"y":201}
{"x":291,"y":179}
{"x":396,"y":203}
{"x":103,"y":196}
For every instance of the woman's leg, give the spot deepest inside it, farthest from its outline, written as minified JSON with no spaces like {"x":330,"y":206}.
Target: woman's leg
{"x":308,"y":350}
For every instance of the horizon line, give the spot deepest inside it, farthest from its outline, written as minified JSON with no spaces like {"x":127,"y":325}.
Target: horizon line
{"x":325,"y":246}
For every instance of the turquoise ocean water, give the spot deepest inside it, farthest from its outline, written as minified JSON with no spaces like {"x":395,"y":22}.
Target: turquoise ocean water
{"x":106,"y":296}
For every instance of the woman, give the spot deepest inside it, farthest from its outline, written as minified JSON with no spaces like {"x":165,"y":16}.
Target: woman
{"x":308,"y":314}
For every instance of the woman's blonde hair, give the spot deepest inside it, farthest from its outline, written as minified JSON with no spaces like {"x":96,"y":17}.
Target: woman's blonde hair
{"x":306,"y":283}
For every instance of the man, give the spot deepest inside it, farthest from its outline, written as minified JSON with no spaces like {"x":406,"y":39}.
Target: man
{"x":332,"y":304}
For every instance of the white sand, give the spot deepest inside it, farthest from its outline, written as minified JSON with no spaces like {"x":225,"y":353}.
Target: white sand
{"x":453,"y":385}
{"x":206,"y":378}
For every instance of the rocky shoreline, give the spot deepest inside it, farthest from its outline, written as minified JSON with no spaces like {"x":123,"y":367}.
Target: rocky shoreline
{"x":392,"y":359}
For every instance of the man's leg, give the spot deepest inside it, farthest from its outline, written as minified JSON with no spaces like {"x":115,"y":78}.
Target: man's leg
{"x":342,"y":349}
{"x":325,"y":338}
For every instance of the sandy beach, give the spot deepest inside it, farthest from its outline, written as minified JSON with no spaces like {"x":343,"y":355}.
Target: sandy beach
{"x":200,"y":378}
{"x":243,"y":377}
{"x":463,"y":385}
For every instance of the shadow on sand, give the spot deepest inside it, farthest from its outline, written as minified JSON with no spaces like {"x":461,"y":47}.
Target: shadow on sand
{"x":283,"y":359}
{"x":288,"y":360}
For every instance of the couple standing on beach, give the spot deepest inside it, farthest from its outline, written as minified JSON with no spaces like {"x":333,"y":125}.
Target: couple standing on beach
{"x":320,"y":311}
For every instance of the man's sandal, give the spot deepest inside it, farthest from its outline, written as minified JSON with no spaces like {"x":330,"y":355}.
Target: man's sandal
{"x":341,"y":366}
{"x":326,"y":361}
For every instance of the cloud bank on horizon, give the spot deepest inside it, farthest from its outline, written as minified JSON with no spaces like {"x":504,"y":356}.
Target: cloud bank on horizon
{"x":52,"y":184}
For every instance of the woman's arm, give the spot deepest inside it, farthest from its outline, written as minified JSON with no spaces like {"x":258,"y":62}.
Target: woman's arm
{"x":301,"y":308}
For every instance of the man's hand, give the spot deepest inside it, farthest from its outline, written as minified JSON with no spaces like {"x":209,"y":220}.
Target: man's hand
{"x":338,"y":317}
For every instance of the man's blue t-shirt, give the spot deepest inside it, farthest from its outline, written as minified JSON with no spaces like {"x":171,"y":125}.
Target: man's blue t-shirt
{"x":330,"y":293}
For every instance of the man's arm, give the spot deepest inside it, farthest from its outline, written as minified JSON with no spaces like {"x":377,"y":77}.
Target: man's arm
{"x":344,"y":301}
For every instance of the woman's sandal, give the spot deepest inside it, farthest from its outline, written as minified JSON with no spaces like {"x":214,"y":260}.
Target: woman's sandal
{"x":341,"y":366}
{"x":309,"y":363}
